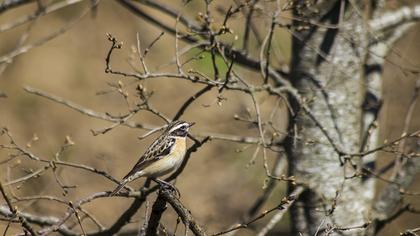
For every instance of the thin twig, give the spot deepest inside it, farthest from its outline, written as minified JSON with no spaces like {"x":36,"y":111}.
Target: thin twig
{"x":282,"y":208}
{"x":15,"y":212}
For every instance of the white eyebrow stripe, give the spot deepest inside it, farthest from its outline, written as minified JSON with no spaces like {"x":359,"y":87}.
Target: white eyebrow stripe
{"x":177,"y":127}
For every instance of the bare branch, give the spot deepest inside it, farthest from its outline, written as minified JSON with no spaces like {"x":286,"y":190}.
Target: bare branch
{"x":157,"y":210}
{"x":24,"y":49}
{"x":15,"y":212}
{"x":9,"y":4}
{"x":395,"y":18}
{"x":282,"y":208}
{"x":183,"y":212}
{"x":238,"y":56}
{"x":85,"y":111}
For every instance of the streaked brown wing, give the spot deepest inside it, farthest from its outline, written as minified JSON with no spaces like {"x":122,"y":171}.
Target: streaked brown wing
{"x":158,"y":149}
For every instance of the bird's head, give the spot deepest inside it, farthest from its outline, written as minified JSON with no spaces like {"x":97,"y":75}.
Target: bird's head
{"x":179,"y":128}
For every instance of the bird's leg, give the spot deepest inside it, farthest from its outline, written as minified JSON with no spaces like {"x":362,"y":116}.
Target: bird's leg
{"x":164,"y":184}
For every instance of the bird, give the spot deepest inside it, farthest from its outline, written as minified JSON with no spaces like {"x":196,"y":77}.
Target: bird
{"x":163,"y":156}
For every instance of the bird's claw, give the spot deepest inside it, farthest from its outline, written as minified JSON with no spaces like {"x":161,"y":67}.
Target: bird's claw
{"x":167,"y":186}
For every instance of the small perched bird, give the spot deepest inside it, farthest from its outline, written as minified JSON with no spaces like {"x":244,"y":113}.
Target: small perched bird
{"x":164,"y":155}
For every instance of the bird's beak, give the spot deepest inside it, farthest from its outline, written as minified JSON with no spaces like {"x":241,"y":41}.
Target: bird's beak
{"x":192,"y":123}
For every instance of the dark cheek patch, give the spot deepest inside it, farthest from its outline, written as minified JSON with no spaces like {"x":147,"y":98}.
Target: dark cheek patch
{"x":181,"y":133}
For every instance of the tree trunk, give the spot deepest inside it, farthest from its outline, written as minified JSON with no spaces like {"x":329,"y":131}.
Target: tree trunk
{"x":328,"y":68}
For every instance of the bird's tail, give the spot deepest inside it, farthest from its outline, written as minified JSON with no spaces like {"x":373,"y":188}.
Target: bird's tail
{"x":119,"y":187}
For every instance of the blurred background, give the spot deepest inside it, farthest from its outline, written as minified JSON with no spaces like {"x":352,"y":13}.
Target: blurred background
{"x":221,"y":181}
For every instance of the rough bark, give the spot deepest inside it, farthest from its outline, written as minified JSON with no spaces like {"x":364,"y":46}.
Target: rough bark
{"x":339,"y":70}
{"x":328,"y":70}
